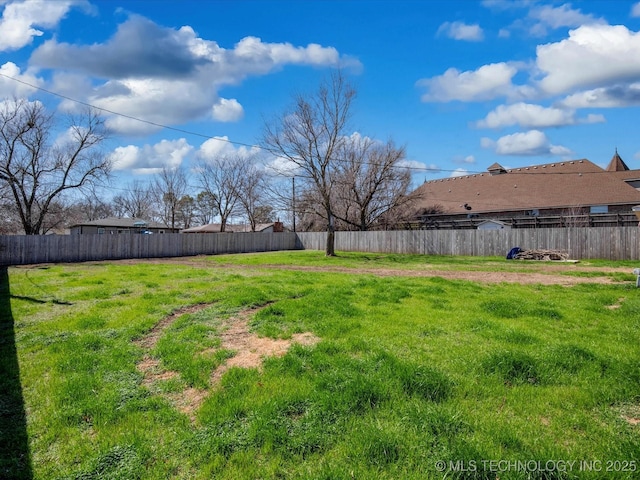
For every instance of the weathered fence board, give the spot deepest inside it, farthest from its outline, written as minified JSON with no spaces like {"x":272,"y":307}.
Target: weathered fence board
{"x":30,"y":249}
{"x":613,"y":243}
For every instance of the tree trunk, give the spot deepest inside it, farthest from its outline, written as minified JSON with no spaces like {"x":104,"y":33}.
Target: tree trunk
{"x":331,"y":238}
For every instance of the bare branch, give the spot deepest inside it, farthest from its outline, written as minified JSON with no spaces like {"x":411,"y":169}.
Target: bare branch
{"x":310,"y":135}
{"x":169,"y":189}
{"x":221,"y":178}
{"x":37,"y":170}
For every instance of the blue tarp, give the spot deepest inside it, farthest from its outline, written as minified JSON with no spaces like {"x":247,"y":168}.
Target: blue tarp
{"x":513,"y":252}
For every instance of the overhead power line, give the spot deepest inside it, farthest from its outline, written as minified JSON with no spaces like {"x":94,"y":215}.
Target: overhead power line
{"x":124,"y":115}
{"x":188,"y":132}
{"x":233,"y":142}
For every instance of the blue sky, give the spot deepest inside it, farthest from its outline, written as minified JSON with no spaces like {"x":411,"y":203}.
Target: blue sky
{"x":462,"y":84}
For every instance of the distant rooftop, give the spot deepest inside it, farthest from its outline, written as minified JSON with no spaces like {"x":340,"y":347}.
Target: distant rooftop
{"x":561,"y":185}
{"x":124,"y":222}
{"x":617,"y":164}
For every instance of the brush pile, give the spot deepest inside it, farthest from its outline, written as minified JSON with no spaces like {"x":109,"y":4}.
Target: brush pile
{"x":544,"y":255}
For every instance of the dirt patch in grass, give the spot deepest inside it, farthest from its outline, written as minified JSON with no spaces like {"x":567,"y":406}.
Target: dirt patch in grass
{"x":630,"y":413}
{"x":153,"y":372}
{"x":250,"y":350}
{"x":188,"y":401}
{"x":548,"y":273}
{"x":474,"y":276}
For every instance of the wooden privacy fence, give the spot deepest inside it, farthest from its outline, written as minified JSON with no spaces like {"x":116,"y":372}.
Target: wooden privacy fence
{"x":613,"y":243}
{"x":30,"y":249}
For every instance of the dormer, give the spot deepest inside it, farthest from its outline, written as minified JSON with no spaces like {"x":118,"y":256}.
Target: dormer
{"x":496,"y":169}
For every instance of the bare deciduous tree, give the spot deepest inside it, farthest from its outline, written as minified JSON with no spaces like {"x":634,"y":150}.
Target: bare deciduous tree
{"x":221,"y":178}
{"x":279,"y":199}
{"x":169,"y":187}
{"x":185,"y":211}
{"x":308,"y":217}
{"x":428,"y":215}
{"x":370,"y":183}
{"x":576,"y":216}
{"x":37,"y":169}
{"x":264,"y":214}
{"x":310,"y":136}
{"x":135,"y":202}
{"x":93,"y":207}
{"x":205,"y":208}
{"x":90,"y":207}
{"x":9,"y":219}
{"x":252,"y":192}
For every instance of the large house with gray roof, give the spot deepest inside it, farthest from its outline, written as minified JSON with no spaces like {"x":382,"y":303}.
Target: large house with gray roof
{"x":552,"y":193}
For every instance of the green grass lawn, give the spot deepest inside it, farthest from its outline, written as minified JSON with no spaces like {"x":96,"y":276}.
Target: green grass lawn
{"x":495,"y":380}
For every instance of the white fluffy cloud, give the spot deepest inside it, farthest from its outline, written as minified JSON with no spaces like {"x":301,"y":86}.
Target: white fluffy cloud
{"x":531,"y":143}
{"x":416,"y":165}
{"x":265,"y":55}
{"x":549,"y":17}
{"x":485,"y":83}
{"x":533,"y":116}
{"x":158,"y":101}
{"x":537,"y":19}
{"x":10,"y":88}
{"x":19,"y":19}
{"x":461,"y":31}
{"x":178,"y":82}
{"x":151,"y":159}
{"x":635,"y":10}
{"x":222,"y":146}
{"x":598,"y":65}
{"x":459,"y":172}
{"x":605,"y":97}
{"x":592,"y":56}
{"x":282,"y":166}
{"x":227,"y":110}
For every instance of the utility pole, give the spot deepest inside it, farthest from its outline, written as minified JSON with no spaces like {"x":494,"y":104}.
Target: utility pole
{"x":293,"y":202}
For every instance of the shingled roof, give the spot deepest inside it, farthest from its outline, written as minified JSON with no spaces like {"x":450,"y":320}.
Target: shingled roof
{"x":548,"y":186}
{"x":124,"y":222}
{"x":229,"y":228}
{"x":617,"y":164}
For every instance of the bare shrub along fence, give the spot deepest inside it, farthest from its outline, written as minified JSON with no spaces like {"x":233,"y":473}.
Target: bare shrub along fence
{"x":613,"y":243}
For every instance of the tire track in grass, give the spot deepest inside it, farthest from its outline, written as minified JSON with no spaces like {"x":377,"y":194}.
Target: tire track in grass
{"x":150,"y":340}
{"x":249,"y":348}
{"x":149,"y":366}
